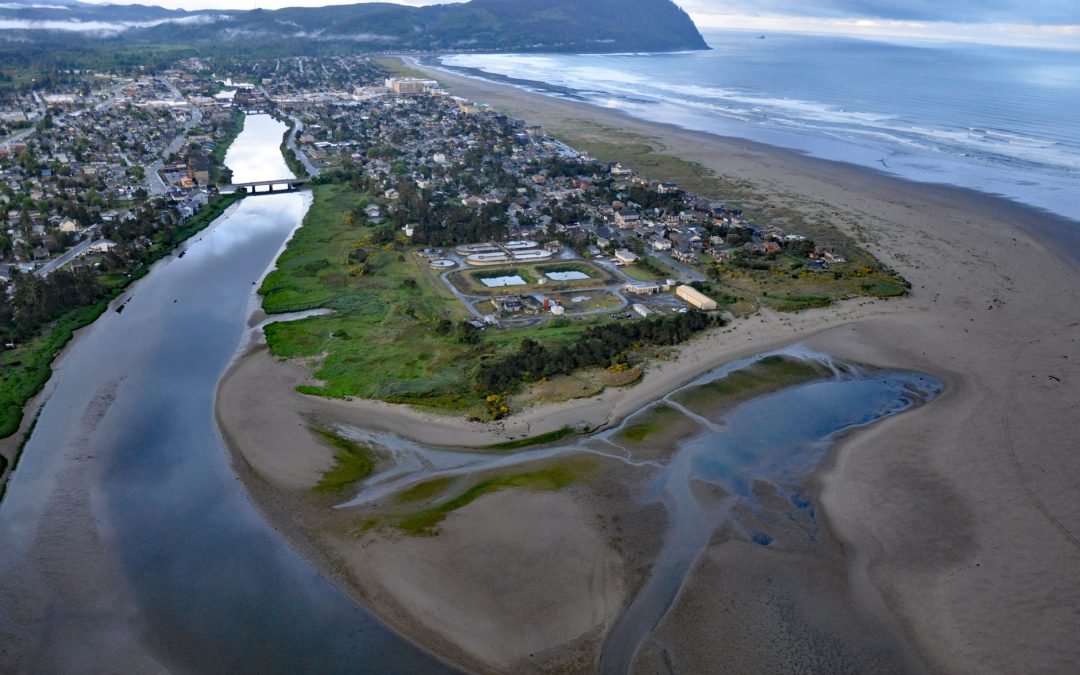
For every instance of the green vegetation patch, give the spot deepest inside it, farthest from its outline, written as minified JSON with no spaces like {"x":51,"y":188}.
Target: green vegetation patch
{"x":25,"y":369}
{"x":353,"y":462}
{"x":219,"y":173}
{"x":540,"y":439}
{"x":658,"y":427}
{"x":555,"y":477}
{"x":397,"y":332}
{"x":648,"y":268}
{"x":424,"y":491}
{"x":392,"y":334}
{"x":761,"y":377}
{"x":884,"y":289}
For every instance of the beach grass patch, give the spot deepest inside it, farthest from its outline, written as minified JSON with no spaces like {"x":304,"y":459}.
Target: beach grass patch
{"x":557,"y":477}
{"x":884,"y":289}
{"x":656,"y":431}
{"x":353,"y":462}
{"x":424,"y":491}
{"x":761,"y":377}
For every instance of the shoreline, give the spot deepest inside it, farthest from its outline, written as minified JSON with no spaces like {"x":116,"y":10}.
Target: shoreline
{"x":1046,"y":221}
{"x":1033,"y":220}
{"x":935,"y":506}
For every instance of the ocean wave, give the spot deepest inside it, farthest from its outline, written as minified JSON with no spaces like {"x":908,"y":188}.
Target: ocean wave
{"x":1005,"y":143}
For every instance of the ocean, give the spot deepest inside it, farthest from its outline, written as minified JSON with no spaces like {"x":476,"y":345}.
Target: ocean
{"x":1002,"y":120}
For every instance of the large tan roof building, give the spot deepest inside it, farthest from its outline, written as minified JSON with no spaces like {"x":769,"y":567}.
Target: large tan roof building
{"x":695,"y":297}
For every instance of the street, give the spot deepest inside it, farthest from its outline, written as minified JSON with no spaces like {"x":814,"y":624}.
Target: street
{"x":69,"y":255}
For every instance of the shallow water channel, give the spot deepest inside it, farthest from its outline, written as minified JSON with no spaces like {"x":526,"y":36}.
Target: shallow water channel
{"x":768,"y":444}
{"x":127,"y":542}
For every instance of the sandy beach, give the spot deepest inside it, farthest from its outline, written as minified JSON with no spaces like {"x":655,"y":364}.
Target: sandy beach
{"x":954,"y":529}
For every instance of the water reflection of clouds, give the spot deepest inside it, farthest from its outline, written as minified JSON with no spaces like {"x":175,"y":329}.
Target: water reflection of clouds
{"x":257,"y":156}
{"x":251,"y":219}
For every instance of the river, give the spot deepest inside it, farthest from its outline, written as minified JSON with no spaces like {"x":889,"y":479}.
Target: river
{"x":128,"y":542}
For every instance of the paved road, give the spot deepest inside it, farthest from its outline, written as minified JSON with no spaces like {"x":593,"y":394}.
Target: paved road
{"x":65,"y":258}
{"x":298,"y":126}
{"x":685,"y":273}
{"x":464,"y":299}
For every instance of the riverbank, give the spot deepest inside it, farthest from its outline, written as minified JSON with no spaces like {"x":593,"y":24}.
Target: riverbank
{"x":957,"y":527}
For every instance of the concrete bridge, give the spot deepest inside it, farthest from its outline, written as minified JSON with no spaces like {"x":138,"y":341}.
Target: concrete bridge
{"x":272,"y":186}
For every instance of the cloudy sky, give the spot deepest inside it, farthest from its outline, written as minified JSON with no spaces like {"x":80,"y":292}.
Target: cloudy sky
{"x":994,"y":21}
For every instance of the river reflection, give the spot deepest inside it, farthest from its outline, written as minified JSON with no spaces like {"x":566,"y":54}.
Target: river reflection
{"x":128,"y":541}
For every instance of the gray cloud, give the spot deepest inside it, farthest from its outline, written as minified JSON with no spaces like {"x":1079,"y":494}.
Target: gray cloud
{"x":102,"y":27}
{"x":959,"y":11}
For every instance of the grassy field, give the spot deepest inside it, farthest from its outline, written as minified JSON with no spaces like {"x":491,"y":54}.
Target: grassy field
{"x":649,"y":269}
{"x":542,"y":439}
{"x":387,"y":338}
{"x":382,"y":340}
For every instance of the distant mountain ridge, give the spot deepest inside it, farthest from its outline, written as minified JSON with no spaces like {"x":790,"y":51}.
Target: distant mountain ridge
{"x":479,"y":25}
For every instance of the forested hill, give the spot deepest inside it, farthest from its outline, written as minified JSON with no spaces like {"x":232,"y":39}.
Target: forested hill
{"x":481,"y":25}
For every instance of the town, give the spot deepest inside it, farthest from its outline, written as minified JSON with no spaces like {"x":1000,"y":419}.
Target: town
{"x":103,"y":173}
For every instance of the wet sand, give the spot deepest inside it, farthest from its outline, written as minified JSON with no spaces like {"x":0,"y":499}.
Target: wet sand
{"x":955,"y":528}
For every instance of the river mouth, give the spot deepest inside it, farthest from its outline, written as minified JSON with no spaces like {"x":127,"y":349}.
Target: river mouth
{"x":733,"y":452}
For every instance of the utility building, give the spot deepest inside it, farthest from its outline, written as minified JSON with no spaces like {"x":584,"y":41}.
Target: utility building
{"x":695,"y":297}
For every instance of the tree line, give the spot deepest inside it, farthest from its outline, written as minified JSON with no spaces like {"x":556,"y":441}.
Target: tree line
{"x":36,"y":301}
{"x":603,"y":345}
